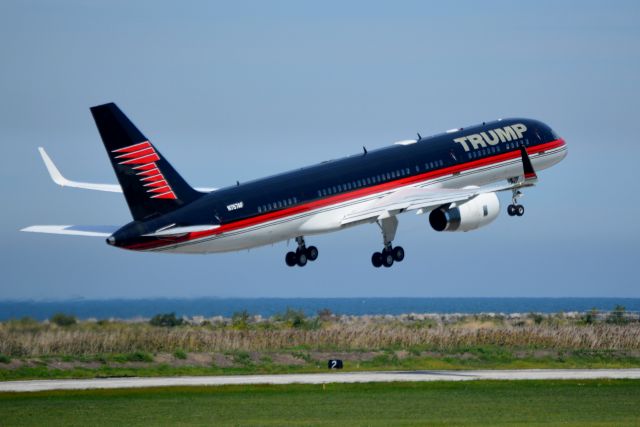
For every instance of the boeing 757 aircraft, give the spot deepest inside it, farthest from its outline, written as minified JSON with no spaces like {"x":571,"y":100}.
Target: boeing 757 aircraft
{"x":454,"y":177}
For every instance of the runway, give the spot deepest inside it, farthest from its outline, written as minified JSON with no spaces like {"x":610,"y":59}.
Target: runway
{"x":324,"y":378}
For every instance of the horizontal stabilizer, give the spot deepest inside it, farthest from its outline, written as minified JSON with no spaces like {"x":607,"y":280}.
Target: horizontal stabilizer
{"x":173,"y":231}
{"x":74,"y":230}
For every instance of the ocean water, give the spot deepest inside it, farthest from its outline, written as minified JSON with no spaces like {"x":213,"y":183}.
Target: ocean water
{"x":208,"y":307}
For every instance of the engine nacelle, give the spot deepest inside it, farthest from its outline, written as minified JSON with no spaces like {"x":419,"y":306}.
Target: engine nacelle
{"x":476,"y":213}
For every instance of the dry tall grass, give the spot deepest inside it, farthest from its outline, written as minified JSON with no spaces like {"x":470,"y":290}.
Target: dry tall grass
{"x":123,"y":338}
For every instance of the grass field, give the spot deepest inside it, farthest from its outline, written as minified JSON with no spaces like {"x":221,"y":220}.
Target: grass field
{"x":594,"y":402}
{"x":292,"y":343}
{"x":489,"y":357}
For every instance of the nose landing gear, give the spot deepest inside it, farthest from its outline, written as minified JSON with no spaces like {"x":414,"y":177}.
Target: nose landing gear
{"x":515,"y":209}
{"x":302,"y":255}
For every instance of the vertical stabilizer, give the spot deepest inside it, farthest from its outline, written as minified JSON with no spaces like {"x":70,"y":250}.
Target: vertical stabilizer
{"x":150,"y":184}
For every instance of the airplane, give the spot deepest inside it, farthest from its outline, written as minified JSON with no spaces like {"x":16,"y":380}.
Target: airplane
{"x":453,"y":177}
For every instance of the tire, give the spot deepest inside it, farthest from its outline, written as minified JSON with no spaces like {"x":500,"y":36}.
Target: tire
{"x":398,"y":253}
{"x":301,"y":258}
{"x":312,"y":253}
{"x":387,"y":258}
{"x":519,"y":210}
{"x":511,"y":210}
{"x":291,"y":259}
{"x":376,"y":259}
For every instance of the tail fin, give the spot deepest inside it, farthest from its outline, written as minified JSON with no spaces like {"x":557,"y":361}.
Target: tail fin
{"x":150,"y":184}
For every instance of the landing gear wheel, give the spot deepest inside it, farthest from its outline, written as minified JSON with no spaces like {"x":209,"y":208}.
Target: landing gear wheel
{"x":387,"y":258}
{"x":376,"y":259}
{"x":312,"y":253}
{"x":511,"y":210}
{"x":301,"y":256}
{"x":291,"y":259}
{"x":519,"y":210}
{"x":398,"y":253}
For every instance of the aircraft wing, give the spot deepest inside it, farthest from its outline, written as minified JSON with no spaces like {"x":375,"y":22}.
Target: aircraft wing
{"x":57,"y":177}
{"x":426,"y":199}
{"x":74,"y":230}
{"x":422,"y":199}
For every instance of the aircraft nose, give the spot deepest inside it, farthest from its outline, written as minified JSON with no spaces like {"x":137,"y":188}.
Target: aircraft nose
{"x":111,"y":240}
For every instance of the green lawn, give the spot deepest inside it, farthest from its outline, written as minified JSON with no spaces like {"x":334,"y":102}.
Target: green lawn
{"x":567,"y":403}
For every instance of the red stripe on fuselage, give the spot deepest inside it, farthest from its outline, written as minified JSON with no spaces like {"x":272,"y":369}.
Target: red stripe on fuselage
{"x":354,"y":194}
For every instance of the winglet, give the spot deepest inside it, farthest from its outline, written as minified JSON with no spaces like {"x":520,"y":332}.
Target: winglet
{"x":529,"y":174}
{"x":55,"y":174}
{"x":57,"y":177}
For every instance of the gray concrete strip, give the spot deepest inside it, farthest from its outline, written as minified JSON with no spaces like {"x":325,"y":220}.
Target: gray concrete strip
{"x":325,"y":378}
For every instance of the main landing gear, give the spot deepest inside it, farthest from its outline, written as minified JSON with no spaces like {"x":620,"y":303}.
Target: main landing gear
{"x":389,"y":254}
{"x":515,"y":209}
{"x":302,"y":255}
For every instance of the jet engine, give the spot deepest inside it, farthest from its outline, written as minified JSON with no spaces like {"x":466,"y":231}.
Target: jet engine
{"x":466,"y":216}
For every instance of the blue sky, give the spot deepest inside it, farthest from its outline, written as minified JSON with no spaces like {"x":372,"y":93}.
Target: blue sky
{"x":237,"y":90}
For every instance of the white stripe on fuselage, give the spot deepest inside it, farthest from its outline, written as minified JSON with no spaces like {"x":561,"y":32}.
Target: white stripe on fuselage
{"x":327,"y":218}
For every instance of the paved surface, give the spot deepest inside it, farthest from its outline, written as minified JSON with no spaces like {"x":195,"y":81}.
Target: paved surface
{"x":330,"y":377}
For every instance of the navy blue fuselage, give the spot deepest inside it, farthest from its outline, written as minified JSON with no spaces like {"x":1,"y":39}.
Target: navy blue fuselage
{"x":396,"y":163}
